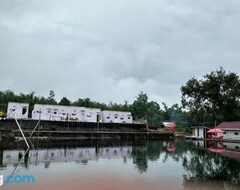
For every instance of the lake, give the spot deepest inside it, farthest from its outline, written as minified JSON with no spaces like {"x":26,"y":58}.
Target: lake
{"x":121,"y":165}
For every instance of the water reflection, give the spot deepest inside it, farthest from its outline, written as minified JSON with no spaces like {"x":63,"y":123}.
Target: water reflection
{"x":65,"y":155}
{"x":140,"y":152}
{"x":210,"y":164}
{"x":186,"y":165}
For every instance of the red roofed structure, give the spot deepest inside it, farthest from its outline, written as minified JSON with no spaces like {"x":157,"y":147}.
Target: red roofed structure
{"x":231,"y":130}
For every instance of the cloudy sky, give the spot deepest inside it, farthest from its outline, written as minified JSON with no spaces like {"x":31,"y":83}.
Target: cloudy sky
{"x":111,"y":50}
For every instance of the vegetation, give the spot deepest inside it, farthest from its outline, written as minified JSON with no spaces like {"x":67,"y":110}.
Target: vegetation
{"x":214,"y":98}
{"x":141,"y":109}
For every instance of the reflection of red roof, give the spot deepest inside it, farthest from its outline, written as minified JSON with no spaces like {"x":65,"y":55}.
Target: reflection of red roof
{"x":218,"y":150}
{"x":229,"y":125}
{"x":171,"y":148}
{"x":231,"y":154}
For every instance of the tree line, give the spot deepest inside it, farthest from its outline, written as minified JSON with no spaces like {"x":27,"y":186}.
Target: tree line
{"x":141,"y":108}
{"x":212,"y":99}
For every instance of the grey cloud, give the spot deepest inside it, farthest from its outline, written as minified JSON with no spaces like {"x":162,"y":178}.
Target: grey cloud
{"x":111,"y":50}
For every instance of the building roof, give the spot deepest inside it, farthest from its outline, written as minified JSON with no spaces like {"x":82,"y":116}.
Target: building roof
{"x":229,"y":125}
{"x":169,"y":124}
{"x":231,"y":154}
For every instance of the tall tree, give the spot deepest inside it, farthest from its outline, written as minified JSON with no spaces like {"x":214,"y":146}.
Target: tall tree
{"x":140,"y":106}
{"x":217,"y":94}
{"x":143,"y":109}
{"x":64,"y":101}
{"x":51,"y":97}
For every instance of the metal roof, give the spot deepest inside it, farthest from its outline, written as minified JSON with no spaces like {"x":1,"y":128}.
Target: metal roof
{"x":229,"y":125}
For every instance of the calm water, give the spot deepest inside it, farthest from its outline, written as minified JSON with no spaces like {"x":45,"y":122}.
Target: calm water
{"x":106,"y":164}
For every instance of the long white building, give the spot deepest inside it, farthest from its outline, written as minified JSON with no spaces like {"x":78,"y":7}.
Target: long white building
{"x":67,"y":113}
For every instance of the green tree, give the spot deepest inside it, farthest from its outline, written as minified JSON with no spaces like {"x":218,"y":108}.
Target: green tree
{"x":5,"y":97}
{"x":85,"y":102}
{"x":217,"y":94}
{"x":51,"y":98}
{"x":64,"y":101}
{"x":143,"y":109}
{"x":140,"y":106}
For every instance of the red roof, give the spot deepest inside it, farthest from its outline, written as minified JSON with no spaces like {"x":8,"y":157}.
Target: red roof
{"x":215,"y":130}
{"x":169,"y":124}
{"x":229,"y":125}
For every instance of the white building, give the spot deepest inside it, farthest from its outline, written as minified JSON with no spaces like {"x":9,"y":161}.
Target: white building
{"x":17,"y":110}
{"x":50,"y":112}
{"x":199,"y":132}
{"x":65,"y":113}
{"x":231,"y":130}
{"x":92,"y":115}
{"x":116,"y":117}
{"x":76,"y":113}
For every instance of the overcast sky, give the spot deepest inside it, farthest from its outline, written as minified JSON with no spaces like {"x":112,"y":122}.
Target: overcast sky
{"x":110,"y":50}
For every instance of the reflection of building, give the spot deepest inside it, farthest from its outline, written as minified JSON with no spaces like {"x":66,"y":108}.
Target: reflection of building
{"x":231,"y":146}
{"x":200,"y":143}
{"x":231,"y":154}
{"x":65,"y":155}
{"x":227,"y":149}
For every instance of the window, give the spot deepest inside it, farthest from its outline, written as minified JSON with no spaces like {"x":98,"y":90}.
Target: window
{"x":24,"y":110}
{"x":236,"y":133}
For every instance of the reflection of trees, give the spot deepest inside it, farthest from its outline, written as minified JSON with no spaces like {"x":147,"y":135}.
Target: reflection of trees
{"x":205,"y":166}
{"x":204,"y":169}
{"x":177,"y":155}
{"x":141,"y":155}
{"x":154,"y":149}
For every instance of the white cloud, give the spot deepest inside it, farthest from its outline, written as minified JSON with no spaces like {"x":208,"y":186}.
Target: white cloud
{"x":112,"y":50}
